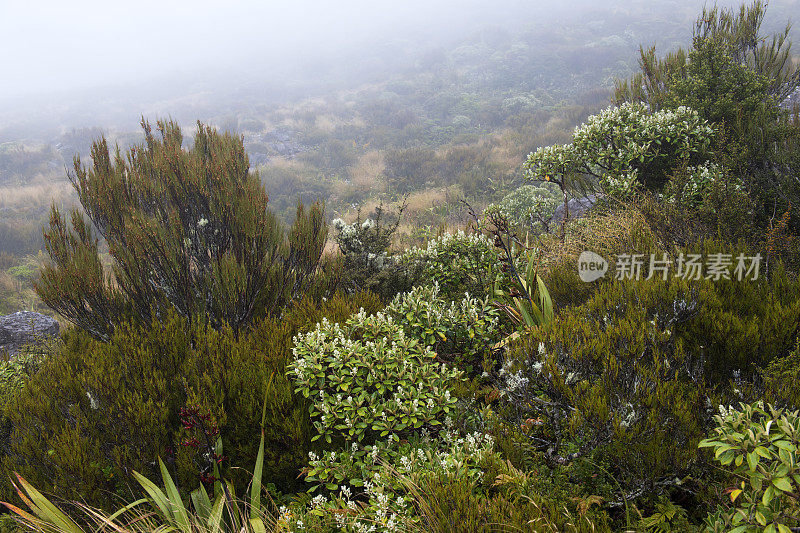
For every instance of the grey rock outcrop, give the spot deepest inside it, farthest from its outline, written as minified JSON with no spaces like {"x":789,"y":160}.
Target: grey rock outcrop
{"x":792,"y":100}
{"x":577,"y":207}
{"x":25,"y":327}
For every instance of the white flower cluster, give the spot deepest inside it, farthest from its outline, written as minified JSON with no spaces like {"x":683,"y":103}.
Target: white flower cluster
{"x":611,"y":144}
{"x":387,"y":507}
{"x":457,"y":261}
{"x":701,"y":177}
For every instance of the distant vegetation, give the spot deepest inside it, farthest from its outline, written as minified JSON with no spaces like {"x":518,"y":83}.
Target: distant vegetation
{"x":363,"y":311}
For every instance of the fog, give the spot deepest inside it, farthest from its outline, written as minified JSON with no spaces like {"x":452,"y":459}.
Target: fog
{"x":53,"y":46}
{"x":89,"y":62}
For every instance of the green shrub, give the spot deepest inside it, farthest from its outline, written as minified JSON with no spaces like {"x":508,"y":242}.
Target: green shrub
{"x":368,"y":378}
{"x":626,"y":147}
{"x":461,"y":332}
{"x":364,"y":245}
{"x":529,"y":207}
{"x":781,"y":377}
{"x":627,"y":378}
{"x":383,"y":402}
{"x":508,"y":502}
{"x":14,"y":372}
{"x":459,"y":262}
{"x":759,"y":446}
{"x":96,"y":411}
{"x":187,"y":231}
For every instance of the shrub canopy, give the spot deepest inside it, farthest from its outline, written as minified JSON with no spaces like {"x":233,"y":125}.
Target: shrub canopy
{"x":187,"y":230}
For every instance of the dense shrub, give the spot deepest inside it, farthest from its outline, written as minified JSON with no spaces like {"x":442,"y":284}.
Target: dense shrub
{"x":380,"y":396}
{"x":530,"y":208}
{"x":757,"y":445}
{"x":629,"y":377}
{"x":187,"y":230}
{"x":458,"y":262}
{"x":368,"y":378}
{"x":626,"y":147}
{"x":780,"y":378}
{"x":96,"y":411}
{"x":364,"y":245}
{"x":735,"y":76}
{"x":461,"y":332}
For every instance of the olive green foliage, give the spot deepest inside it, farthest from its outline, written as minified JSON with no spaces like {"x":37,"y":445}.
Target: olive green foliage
{"x":380,"y":396}
{"x":14,"y":372}
{"x":378,"y":375}
{"x":667,"y":518}
{"x":407,"y":170}
{"x":187,"y":230}
{"x":735,"y":77}
{"x":738,"y":33}
{"x":780,"y":377}
{"x":458,"y":262}
{"x":96,"y":411}
{"x":370,"y":379}
{"x":759,"y":446}
{"x":625,"y":377}
{"x":508,"y":502}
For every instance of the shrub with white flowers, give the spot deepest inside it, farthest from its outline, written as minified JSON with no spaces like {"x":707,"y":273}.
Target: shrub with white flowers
{"x":459,"y":262}
{"x":367,"y":378}
{"x":528,"y":207}
{"x":364,"y":495}
{"x":462,"y":332}
{"x":696,"y":182}
{"x":379,"y":392}
{"x":364,"y":244}
{"x":625,"y":147}
{"x":377,"y":375}
{"x":354,"y":240}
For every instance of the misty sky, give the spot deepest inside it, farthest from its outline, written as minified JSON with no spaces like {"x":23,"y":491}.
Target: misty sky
{"x":56,"y":45}
{"x":49,"y":47}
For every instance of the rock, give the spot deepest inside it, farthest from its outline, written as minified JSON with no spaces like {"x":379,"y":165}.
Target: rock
{"x":25,"y":327}
{"x":577,"y":208}
{"x":792,"y":100}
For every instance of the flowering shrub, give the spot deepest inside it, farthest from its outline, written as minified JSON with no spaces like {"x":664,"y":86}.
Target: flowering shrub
{"x":698,"y":181}
{"x":378,"y":375}
{"x":760,"y":446}
{"x":377,"y":389}
{"x":462,"y":331}
{"x":384,"y":503}
{"x":368,"y":378}
{"x":625,"y":147}
{"x":528,"y":206}
{"x":360,"y":239}
{"x":460,"y":262}
{"x":364,"y":244}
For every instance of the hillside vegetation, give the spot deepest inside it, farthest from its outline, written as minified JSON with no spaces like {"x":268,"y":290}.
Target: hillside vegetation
{"x":479,"y":297}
